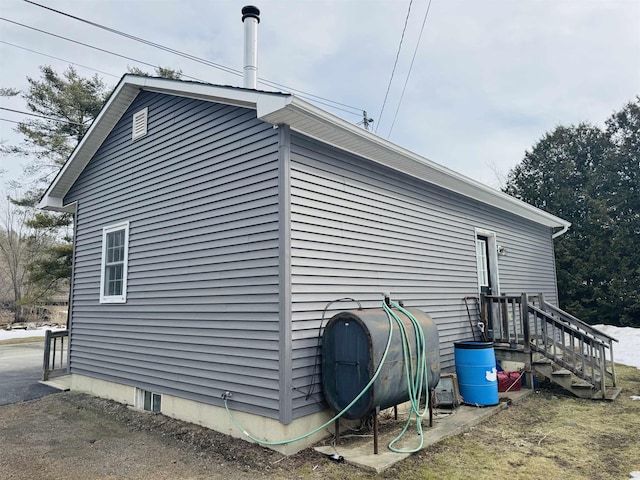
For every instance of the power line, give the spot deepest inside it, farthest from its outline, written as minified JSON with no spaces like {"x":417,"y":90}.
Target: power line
{"x":204,"y":61}
{"x":424,"y":21}
{"x":11,"y":121}
{"x":89,"y":46}
{"x":42,"y":116}
{"x":404,"y":29}
{"x":139,"y":39}
{"x":311,"y":96}
{"x":154,"y":66}
{"x":58,"y":58}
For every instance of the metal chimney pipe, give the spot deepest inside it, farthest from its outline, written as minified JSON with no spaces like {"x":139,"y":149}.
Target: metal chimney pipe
{"x":250,"y":18}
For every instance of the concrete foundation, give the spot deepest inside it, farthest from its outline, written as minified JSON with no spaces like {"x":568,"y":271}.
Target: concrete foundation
{"x":215,"y":418}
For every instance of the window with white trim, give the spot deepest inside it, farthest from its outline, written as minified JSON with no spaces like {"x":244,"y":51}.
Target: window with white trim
{"x":113,"y":280}
{"x":148,"y":401}
{"x":139,"y":127}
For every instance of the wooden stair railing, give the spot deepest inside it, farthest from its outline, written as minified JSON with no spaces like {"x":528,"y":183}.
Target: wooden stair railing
{"x":55,"y":359}
{"x":529,"y":324}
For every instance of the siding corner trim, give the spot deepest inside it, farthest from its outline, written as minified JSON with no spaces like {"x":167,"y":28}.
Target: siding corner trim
{"x":284,"y":227}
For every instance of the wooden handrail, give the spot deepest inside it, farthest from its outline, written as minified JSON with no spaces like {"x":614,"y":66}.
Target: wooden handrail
{"x":576,"y":321}
{"x":592,"y":340}
{"x":49,"y":360}
{"x":559,"y":336}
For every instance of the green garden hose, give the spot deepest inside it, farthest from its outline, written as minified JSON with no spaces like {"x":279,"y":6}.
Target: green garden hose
{"x":416,"y":379}
{"x":344,"y":410}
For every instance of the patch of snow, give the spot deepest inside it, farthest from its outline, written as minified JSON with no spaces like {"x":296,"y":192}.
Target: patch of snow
{"x":627,"y":349}
{"x":635,"y":474}
{"x":36,"y":332}
{"x":635,"y":397}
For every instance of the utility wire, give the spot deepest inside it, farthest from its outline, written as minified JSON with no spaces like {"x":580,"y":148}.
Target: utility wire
{"x":42,"y":116}
{"x":58,"y":58}
{"x":7,"y":120}
{"x":310,"y":96}
{"x":404,"y":29}
{"x":199,"y":59}
{"x":139,"y":61}
{"x":138,"y":39}
{"x":424,"y":21}
{"x":90,"y":46}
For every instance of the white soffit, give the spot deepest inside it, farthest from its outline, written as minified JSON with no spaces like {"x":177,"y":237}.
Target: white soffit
{"x":121,"y":98}
{"x":303,"y":117}
{"x":309,"y":120}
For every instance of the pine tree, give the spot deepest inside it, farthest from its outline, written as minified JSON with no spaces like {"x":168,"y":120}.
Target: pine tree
{"x":65,"y":104}
{"x":591,"y":177}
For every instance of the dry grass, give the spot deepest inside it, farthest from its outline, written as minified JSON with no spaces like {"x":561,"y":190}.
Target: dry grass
{"x":548,"y":436}
{"x":12,"y":341}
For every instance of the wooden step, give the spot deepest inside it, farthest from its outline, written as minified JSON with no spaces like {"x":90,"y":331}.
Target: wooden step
{"x":611,"y":393}
{"x":580,"y":384}
{"x":561,"y":372}
{"x":542,"y":361}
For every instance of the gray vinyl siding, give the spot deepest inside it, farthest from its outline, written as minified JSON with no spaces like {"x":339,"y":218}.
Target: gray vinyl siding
{"x":359,"y":229}
{"x":200,"y":191}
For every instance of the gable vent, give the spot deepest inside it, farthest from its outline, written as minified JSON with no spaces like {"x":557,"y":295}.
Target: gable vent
{"x":140,"y":123}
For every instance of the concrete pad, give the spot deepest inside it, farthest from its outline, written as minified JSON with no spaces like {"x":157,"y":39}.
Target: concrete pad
{"x":359,"y":451}
{"x":61,"y":383}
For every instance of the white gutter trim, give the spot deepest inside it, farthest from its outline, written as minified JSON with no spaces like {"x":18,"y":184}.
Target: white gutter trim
{"x":561,"y":232}
{"x":460,"y":183}
{"x":303,"y":117}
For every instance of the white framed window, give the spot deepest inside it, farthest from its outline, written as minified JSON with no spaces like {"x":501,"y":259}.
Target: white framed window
{"x":139,"y":128}
{"x":113,"y":277}
{"x":148,"y":401}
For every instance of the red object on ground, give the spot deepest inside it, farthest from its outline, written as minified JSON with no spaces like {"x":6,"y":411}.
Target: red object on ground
{"x":507,"y":379}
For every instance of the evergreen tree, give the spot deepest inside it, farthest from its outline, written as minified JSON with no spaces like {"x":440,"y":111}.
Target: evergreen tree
{"x":591,"y":177}
{"x":159,"y":72}
{"x":65,"y":104}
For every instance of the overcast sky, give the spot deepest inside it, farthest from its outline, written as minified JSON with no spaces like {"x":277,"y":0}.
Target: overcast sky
{"x":489,"y":78}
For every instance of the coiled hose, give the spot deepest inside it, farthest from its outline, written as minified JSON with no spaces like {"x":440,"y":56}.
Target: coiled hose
{"x":416,"y":379}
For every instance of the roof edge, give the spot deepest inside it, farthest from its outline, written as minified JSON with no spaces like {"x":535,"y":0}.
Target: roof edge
{"x":119,"y":101}
{"x":408,"y":162}
{"x":303,"y":117}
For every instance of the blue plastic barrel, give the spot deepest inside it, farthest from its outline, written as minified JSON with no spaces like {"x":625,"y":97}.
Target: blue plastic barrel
{"x":477,"y":374}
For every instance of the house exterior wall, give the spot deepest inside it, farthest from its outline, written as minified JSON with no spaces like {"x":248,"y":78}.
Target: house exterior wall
{"x":200,"y":192}
{"x":359,"y":229}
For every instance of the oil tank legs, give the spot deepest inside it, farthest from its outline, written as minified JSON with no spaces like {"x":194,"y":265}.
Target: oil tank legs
{"x":375,"y":431}
{"x":432,"y":397}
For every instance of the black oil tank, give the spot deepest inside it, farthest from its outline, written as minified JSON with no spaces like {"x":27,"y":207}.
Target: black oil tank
{"x":352,"y":346}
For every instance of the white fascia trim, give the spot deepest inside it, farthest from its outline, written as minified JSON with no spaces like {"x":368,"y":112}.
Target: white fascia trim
{"x":120,"y":100}
{"x":54,"y":204}
{"x":48,"y":201}
{"x":409,"y":162}
{"x":263,"y":102}
{"x":303,"y":117}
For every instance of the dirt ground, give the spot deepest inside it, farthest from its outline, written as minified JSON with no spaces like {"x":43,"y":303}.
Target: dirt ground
{"x":547,"y":436}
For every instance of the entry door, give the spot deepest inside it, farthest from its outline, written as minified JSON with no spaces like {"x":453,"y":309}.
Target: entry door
{"x":484,"y":272}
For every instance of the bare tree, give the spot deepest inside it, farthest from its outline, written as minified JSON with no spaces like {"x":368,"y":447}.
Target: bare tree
{"x":20,"y":245}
